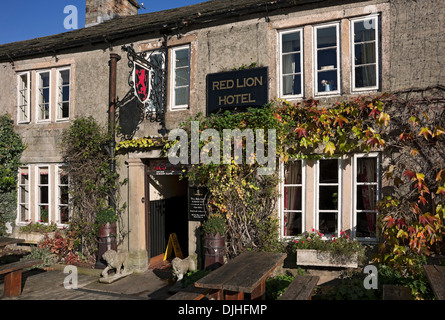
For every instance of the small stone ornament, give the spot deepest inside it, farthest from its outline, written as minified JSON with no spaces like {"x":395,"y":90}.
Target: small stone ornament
{"x":117,"y":261}
{"x":182,"y":266}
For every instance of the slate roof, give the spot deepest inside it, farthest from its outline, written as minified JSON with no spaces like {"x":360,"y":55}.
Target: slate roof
{"x":123,"y":27}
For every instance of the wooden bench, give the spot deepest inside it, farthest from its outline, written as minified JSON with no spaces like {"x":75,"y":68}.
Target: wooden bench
{"x":190,"y":293}
{"x":396,"y":292}
{"x":436,"y":277}
{"x":13,"y":276}
{"x":300,"y":288}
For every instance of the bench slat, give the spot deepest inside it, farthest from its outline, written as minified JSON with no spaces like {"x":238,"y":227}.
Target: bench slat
{"x":14,"y":266}
{"x":436,"y":276}
{"x":300,"y":288}
{"x":190,"y":293}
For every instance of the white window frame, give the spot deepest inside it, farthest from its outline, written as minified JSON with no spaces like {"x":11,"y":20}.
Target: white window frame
{"x":59,"y":223}
{"x":173,"y":105}
{"x":355,"y":184}
{"x":315,"y":59}
{"x":37,"y":197}
{"x":19,"y":203}
{"x":317,"y":185}
{"x":280,"y":62}
{"x":20,"y":111}
{"x":281,"y":205}
{"x":58,"y":88}
{"x":37,"y":93}
{"x":352,"y":21}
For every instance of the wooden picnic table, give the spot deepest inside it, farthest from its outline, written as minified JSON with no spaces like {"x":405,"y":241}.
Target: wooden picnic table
{"x":246,"y":273}
{"x":436,"y":277}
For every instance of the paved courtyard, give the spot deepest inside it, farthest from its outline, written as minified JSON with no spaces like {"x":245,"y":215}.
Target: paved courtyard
{"x":49,"y":285}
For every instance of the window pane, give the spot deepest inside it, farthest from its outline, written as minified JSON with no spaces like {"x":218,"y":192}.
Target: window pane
{"x":43,"y":178}
{"x":23,"y":194}
{"x":64,"y":195}
{"x":23,"y":212}
{"x":327,"y":59}
{"x":365,"y":76}
{"x":366,"y":197}
{"x":63,"y":179}
{"x":292,"y":198}
{"x":291,"y":63}
{"x":44,"y":95}
{"x":366,"y":169}
{"x":291,"y":42}
{"x":328,"y":222}
{"x":366,"y":224}
{"x":44,"y":79}
{"x":327,"y":80}
{"x":181,"y":96}
{"x":364,"y":30}
{"x":292,"y":172}
{"x":365,"y":53}
{"x":24,"y":177}
{"x":64,"y":214}
{"x":326,"y":37}
{"x":292,"y":85}
{"x":292,"y":224}
{"x":329,"y":171}
{"x":24,"y":81}
{"x":182,"y":58}
{"x":44,"y":213}
{"x":64,"y":77}
{"x":66,"y":93}
{"x":182,"y":77}
{"x":328,"y":198}
{"x":65,"y":110}
{"x":44,"y":194}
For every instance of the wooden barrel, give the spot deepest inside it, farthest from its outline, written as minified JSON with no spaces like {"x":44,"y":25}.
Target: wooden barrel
{"x":215,"y":249}
{"x":106,"y":241}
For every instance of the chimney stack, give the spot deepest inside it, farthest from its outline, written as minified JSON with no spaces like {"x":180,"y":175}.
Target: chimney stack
{"x":98,"y":11}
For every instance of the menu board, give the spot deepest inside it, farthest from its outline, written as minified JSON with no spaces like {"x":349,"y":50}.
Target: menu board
{"x":197,"y":203}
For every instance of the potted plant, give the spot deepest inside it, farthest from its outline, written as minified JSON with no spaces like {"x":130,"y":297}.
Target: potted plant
{"x":106,"y":231}
{"x":214,"y":241}
{"x":316,"y":250}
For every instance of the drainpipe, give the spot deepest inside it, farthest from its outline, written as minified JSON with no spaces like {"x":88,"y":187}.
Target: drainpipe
{"x":114,"y":58}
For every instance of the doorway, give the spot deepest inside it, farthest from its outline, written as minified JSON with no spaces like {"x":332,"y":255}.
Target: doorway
{"x":167,"y":213}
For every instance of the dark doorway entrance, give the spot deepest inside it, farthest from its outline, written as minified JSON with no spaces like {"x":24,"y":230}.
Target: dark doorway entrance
{"x":167,"y":210}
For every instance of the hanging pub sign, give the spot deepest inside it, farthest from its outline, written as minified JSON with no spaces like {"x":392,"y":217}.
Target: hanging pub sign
{"x":141,"y":82}
{"x":197,"y":203}
{"x":237,"y":89}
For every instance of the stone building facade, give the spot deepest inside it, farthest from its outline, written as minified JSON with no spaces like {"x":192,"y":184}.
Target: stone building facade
{"x":360,"y":47}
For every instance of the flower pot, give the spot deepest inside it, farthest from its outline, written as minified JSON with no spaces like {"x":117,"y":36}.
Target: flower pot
{"x":327,"y":87}
{"x":215,"y":249}
{"x":309,"y":257}
{"x":106,"y":241}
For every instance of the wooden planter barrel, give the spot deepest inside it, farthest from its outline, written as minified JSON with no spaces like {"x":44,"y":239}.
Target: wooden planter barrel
{"x":215,"y":249}
{"x":106,"y":241}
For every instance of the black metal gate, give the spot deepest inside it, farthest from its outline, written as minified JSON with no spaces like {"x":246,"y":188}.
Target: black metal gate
{"x":158,"y":238}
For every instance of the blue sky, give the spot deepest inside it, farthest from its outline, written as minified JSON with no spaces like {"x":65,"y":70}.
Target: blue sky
{"x":28,"y":19}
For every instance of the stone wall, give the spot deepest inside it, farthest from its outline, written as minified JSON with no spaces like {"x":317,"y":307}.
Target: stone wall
{"x":417,"y":44}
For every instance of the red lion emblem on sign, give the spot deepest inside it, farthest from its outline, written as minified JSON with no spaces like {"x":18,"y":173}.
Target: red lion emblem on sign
{"x":142,"y":83}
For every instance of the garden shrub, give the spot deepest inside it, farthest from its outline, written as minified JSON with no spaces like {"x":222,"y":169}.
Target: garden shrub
{"x":11,"y":149}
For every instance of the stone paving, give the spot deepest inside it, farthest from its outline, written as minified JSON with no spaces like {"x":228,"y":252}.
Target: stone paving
{"x":49,"y":285}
